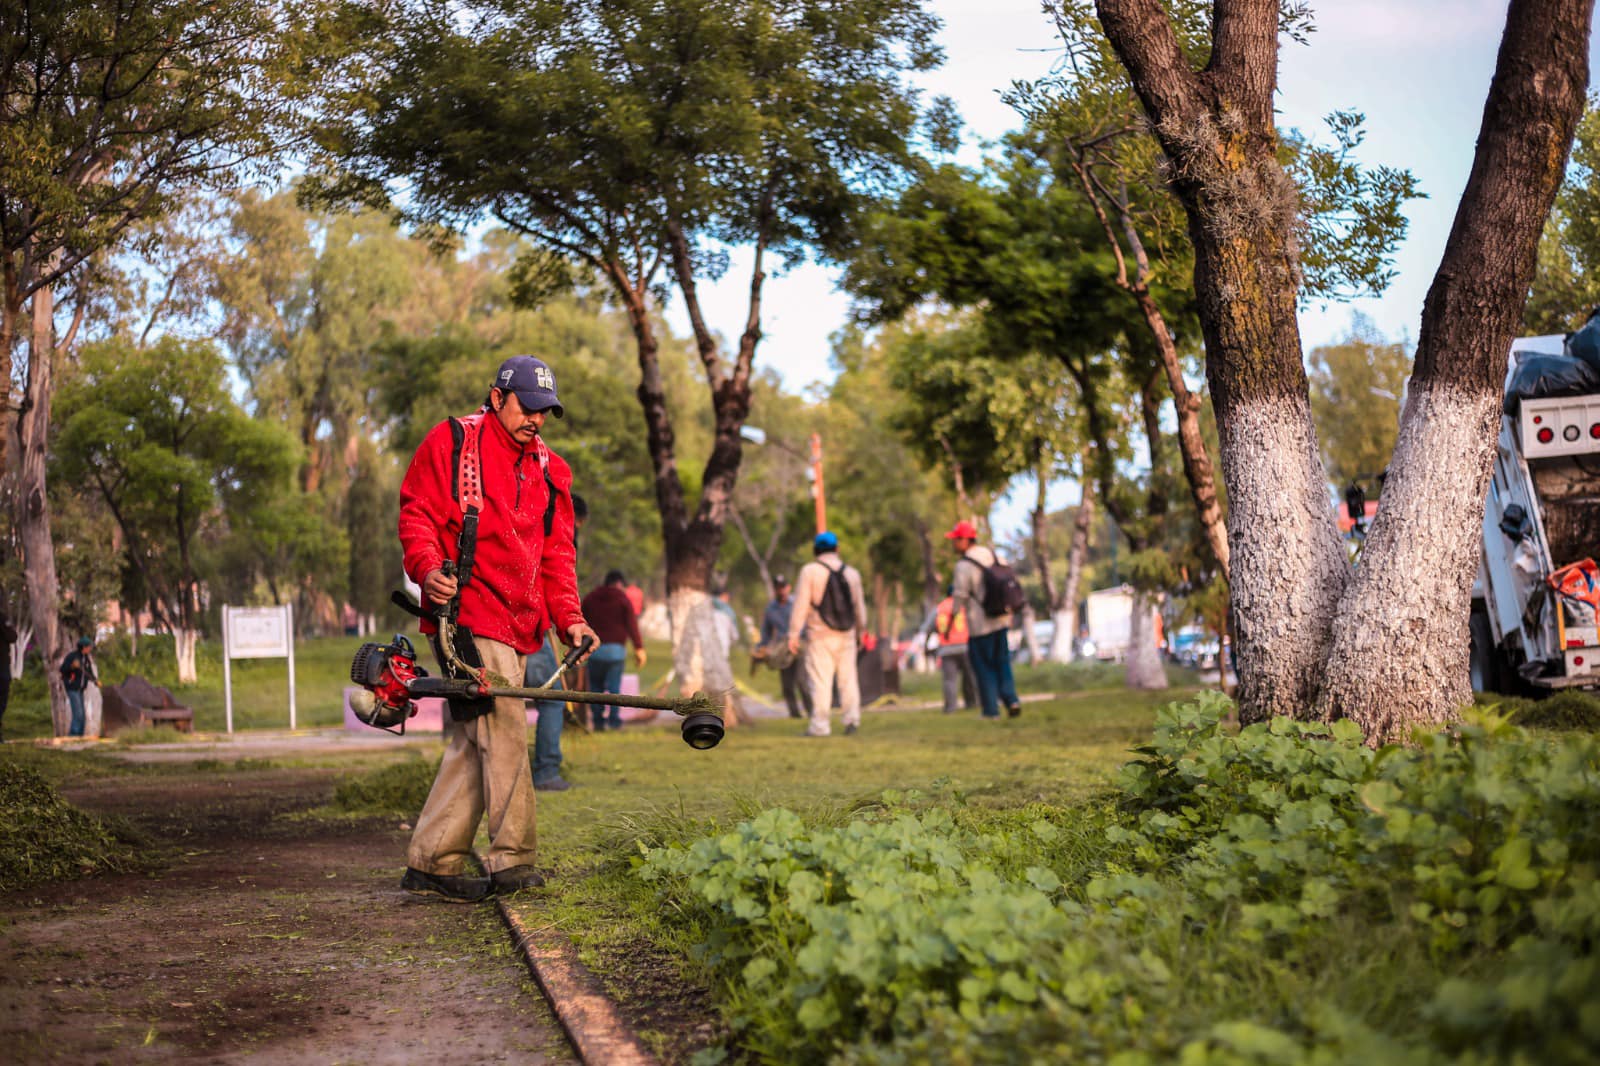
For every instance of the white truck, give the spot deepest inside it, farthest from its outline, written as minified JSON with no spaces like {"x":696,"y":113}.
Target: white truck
{"x":1542,"y":514}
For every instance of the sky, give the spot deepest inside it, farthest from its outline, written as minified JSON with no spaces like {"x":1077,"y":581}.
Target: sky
{"x":1419,"y":71}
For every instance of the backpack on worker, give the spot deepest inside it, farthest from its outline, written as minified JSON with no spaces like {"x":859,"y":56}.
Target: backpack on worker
{"x":837,"y":608}
{"x":1002,"y":592}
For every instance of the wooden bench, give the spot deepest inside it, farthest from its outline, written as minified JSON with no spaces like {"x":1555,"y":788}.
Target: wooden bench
{"x":138,"y":704}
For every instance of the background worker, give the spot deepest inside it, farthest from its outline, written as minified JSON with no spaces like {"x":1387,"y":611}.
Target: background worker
{"x":77,"y":671}
{"x":551,"y":715}
{"x":609,"y":610}
{"x":950,"y":627}
{"x":775,"y":627}
{"x":987,"y":649}
{"x":830,"y":611}
{"x":522,"y":579}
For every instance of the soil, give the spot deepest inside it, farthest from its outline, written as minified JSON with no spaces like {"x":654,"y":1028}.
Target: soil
{"x":270,"y":936}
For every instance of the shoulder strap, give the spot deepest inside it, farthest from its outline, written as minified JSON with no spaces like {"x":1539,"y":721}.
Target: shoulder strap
{"x":466,"y":456}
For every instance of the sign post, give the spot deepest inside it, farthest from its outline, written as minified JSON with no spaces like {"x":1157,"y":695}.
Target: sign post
{"x":256,"y":633}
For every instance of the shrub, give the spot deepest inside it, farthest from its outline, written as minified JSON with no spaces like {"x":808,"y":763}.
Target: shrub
{"x":45,"y":838}
{"x":1283,"y":895}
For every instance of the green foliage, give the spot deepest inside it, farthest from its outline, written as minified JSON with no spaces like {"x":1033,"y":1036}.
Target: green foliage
{"x":1568,"y":709}
{"x":43,"y":838}
{"x":399,"y":789}
{"x":1355,"y":401}
{"x":156,"y":435}
{"x":1283,"y":895}
{"x":1567,"y":284}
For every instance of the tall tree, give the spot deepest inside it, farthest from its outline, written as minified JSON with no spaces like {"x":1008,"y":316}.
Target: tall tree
{"x":1377,"y":646}
{"x":640,"y":139}
{"x":111,"y":109}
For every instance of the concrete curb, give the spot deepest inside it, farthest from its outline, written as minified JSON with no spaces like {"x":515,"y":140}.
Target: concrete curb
{"x":592,"y":1020}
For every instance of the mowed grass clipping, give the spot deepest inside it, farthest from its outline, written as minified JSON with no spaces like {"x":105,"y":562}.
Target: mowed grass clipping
{"x":45,"y":838}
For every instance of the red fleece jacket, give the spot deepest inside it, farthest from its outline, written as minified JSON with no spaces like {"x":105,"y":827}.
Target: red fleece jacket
{"x":522,"y":582}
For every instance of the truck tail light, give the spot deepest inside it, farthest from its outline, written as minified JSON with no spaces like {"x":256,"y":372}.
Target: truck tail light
{"x":1546,"y":435}
{"x":1594,"y":431}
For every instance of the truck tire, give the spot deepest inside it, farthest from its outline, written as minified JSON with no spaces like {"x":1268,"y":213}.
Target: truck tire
{"x":1483,"y":662}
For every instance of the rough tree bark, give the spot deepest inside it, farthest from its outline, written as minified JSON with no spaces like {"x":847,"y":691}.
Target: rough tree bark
{"x":1392,"y":653}
{"x":1399,"y":648}
{"x":33,"y":504}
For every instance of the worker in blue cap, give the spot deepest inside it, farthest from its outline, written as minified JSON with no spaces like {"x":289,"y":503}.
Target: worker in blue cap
{"x":831,"y":614}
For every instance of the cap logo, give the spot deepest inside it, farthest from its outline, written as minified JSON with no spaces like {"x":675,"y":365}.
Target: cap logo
{"x":542,"y":375}
{"x":505,"y":376}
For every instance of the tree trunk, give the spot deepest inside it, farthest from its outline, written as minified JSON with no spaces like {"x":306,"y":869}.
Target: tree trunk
{"x":1143,"y":668}
{"x":33,"y":505}
{"x":1391,"y":653}
{"x":184,"y":642}
{"x":1399,"y":651}
{"x":1217,"y":130}
{"x":1030,"y":639}
{"x":19,"y":650}
{"x":1063,"y":644}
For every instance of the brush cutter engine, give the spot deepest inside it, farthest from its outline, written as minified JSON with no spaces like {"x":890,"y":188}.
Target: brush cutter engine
{"x":385,"y":673}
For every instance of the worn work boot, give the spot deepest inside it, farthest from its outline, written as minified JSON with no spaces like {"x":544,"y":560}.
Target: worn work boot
{"x":516,"y":878}
{"x":455,"y":888}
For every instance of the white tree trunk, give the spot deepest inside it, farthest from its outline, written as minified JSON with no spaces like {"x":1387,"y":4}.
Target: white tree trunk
{"x":19,"y":650}
{"x":1143,"y":668}
{"x":1288,"y":568}
{"x":1400,"y":629}
{"x":697,"y":655}
{"x":1030,"y":639}
{"x":184,"y":642}
{"x":1061,"y":641}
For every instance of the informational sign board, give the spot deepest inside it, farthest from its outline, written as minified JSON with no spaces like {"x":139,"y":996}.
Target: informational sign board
{"x":256,"y":633}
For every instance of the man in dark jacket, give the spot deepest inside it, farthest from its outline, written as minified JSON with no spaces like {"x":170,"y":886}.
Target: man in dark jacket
{"x":610,"y":611}
{"x":77,"y":670}
{"x":522,"y":581}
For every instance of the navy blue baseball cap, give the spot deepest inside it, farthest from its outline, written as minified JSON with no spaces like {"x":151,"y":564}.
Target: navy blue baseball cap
{"x":826,"y":542}
{"x":533,"y":382}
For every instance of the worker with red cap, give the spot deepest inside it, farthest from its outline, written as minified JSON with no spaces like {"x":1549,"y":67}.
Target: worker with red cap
{"x":987,"y":649}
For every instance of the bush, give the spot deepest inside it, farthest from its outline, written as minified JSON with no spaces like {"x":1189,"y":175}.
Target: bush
{"x":399,"y":789}
{"x":1283,"y":895}
{"x":1568,"y":710}
{"x":45,"y":838}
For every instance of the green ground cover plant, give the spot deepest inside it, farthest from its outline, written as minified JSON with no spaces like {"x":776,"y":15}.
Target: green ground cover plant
{"x":1282,"y":895}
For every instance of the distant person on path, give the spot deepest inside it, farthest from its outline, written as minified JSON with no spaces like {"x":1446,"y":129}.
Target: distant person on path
{"x":829,"y":610}
{"x":725,"y":621}
{"x":551,"y":714}
{"x":77,"y":670}
{"x":635,"y":597}
{"x":955,"y":668}
{"x":775,"y":627}
{"x":495,"y":465}
{"x":607,"y":608}
{"x":8,"y":639}
{"x":987,"y":649}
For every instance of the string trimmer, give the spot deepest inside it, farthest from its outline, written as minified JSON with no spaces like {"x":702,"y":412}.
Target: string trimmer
{"x":391,"y":681}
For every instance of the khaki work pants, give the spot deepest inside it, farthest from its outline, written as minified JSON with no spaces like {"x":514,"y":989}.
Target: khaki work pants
{"x":831,"y":656}
{"x":485,"y":771}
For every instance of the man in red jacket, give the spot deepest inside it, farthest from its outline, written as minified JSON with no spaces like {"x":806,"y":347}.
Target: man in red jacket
{"x":522,"y":580}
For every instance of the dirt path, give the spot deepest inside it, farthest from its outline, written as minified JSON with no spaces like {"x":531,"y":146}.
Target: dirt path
{"x":271,"y":938}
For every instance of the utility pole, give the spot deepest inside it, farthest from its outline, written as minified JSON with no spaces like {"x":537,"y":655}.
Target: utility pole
{"x":816,"y":482}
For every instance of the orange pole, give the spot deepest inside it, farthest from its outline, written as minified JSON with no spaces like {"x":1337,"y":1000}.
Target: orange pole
{"x":816,"y":482}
